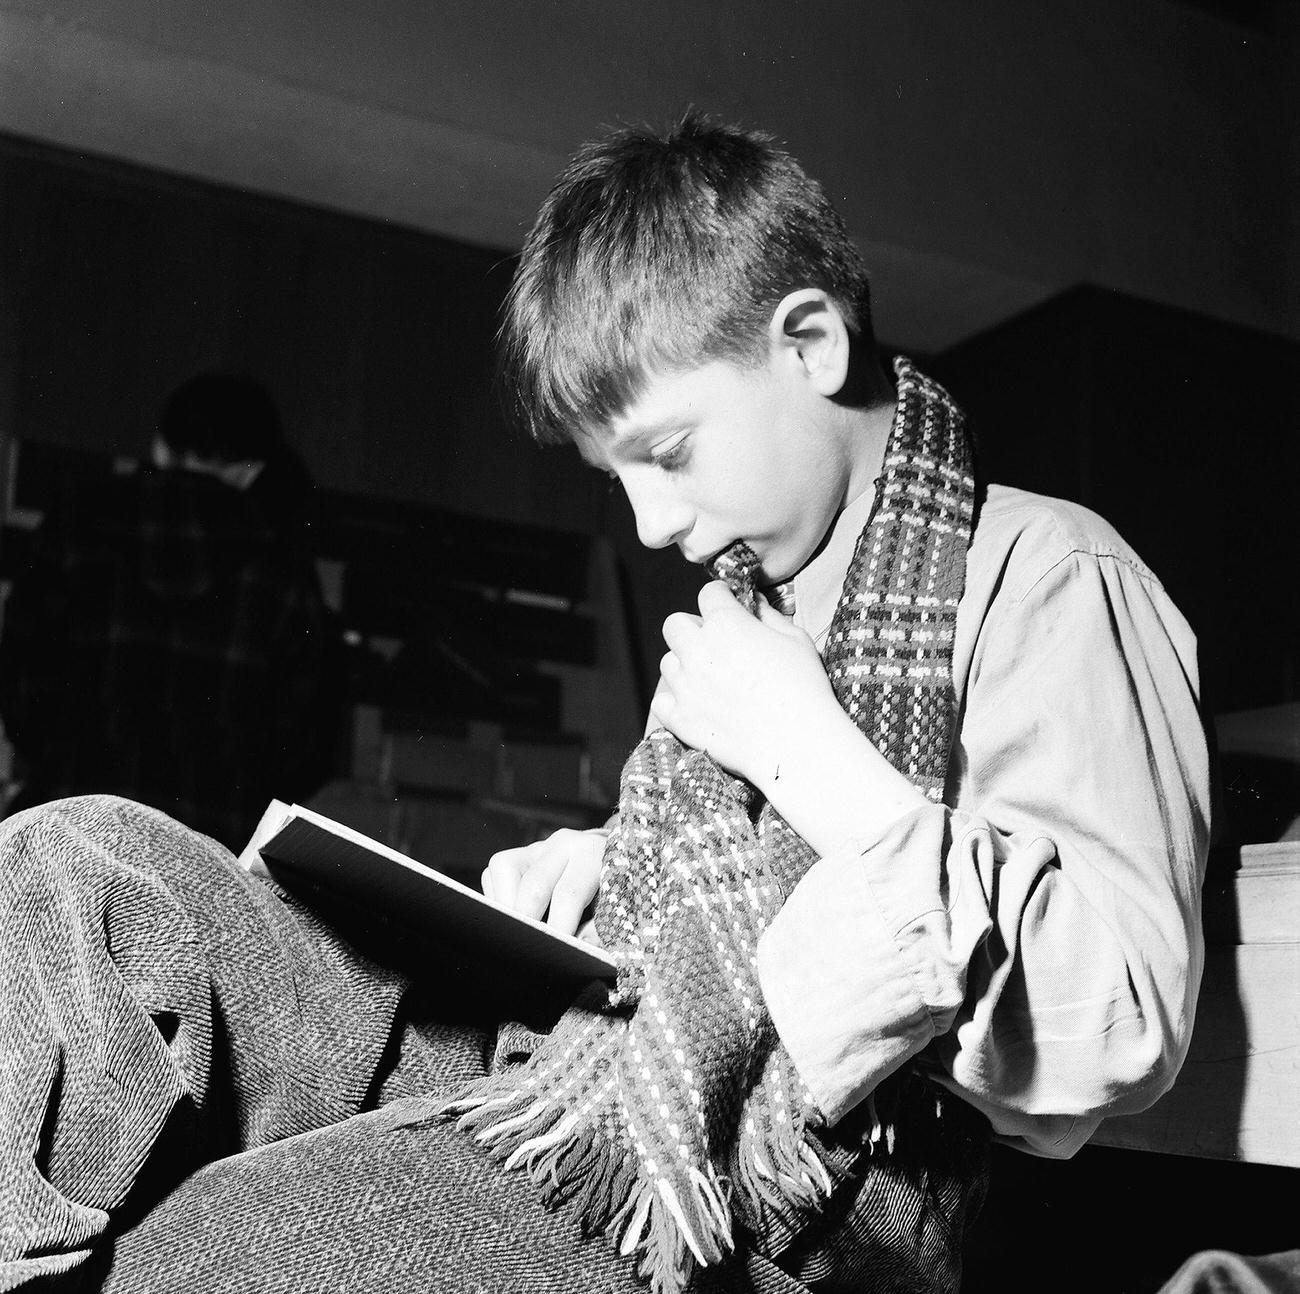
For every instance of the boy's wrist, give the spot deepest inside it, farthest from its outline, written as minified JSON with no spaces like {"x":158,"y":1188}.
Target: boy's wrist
{"x":834,"y":787}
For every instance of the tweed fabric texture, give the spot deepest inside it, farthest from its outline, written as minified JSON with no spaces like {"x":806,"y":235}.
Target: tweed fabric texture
{"x":667,"y":1110}
{"x":160,"y":1008}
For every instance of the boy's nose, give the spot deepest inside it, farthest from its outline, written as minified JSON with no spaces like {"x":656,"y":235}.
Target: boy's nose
{"x":661,"y":517}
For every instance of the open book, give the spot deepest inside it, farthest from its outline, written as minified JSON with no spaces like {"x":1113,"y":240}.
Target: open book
{"x":306,"y":850}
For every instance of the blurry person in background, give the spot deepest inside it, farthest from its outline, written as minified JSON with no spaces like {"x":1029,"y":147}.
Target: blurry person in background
{"x":167,"y":640}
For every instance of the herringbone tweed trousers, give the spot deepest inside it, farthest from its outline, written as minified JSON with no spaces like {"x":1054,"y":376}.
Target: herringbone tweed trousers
{"x":205,"y":1086}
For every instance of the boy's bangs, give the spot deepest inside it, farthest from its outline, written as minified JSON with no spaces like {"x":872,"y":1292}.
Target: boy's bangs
{"x":599,"y":356}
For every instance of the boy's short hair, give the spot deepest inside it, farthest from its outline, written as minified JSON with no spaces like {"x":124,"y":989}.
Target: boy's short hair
{"x":660,"y":251}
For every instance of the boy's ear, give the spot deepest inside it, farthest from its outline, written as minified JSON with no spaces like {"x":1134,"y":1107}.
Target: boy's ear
{"x":807,"y":328}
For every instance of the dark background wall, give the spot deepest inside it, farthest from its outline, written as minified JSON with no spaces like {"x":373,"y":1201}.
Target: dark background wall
{"x":987,"y":155}
{"x":352,"y":190}
{"x":377,"y":341}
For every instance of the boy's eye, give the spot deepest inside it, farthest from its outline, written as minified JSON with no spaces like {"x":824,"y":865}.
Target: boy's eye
{"x":672,"y":456}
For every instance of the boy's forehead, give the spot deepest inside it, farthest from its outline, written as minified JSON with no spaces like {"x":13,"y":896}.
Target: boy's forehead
{"x":656,"y":407}
{"x":664,"y":402}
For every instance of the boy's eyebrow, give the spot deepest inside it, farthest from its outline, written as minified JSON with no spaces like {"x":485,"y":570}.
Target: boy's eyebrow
{"x":630,"y":439}
{"x":638,"y":435}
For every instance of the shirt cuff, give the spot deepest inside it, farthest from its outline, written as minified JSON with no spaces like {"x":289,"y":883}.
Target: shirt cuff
{"x":845,"y":1000}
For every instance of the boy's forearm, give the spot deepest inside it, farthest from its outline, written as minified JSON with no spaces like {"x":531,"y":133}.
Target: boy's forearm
{"x":834,"y":787}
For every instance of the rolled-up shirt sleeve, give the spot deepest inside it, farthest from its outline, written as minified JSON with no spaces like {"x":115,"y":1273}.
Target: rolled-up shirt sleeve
{"x":1038,"y":936}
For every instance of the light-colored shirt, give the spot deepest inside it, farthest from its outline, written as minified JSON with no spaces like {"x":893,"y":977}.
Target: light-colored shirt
{"x":1035,"y":940}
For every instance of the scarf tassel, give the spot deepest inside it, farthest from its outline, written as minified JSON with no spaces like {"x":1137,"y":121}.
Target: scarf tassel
{"x":782,"y":1174}
{"x":666,"y":1228}
{"x":670,"y":1232}
{"x":880,"y":1131}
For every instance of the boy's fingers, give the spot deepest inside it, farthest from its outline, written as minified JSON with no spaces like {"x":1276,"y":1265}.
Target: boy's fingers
{"x":681,"y":622}
{"x":537,"y":885}
{"x":502,"y":875}
{"x":495,"y":886}
{"x":716,"y":596}
{"x":679,"y":629}
{"x":568,"y":902}
{"x":661,"y":710}
{"x":578,"y":885}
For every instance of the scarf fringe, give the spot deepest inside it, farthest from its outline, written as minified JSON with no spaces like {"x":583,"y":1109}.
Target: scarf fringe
{"x":669,"y":1233}
{"x":880,"y":1131}
{"x":778,"y":1173}
{"x":667,"y":1227}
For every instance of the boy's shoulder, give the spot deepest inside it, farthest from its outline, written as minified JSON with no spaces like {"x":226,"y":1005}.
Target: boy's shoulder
{"x":1026,"y":535}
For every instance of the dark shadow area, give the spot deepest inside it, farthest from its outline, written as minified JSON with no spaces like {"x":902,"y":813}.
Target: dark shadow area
{"x":1120,"y":1221}
{"x":1179,"y":429}
{"x":1260,"y":797}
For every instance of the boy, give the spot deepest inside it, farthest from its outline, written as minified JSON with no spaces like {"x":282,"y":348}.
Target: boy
{"x":935,"y":876}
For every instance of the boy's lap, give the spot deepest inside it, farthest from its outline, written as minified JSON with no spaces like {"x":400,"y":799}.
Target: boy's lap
{"x":391,"y":1200}
{"x":383,"y":1200}
{"x":377,"y":1200}
{"x":397,"y":1199}
{"x":169,"y":1007}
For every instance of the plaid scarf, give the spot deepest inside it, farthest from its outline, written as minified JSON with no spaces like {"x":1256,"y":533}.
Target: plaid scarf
{"x":667,"y":1110}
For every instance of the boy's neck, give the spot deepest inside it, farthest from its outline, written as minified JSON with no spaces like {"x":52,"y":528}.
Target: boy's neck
{"x":867,"y":402}
{"x":868,"y":433}
{"x":863,"y":433}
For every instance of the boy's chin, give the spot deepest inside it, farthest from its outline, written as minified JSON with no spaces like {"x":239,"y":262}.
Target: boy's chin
{"x":777,"y":568}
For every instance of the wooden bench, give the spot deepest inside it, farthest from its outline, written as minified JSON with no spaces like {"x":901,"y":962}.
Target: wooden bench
{"x":1238,"y":1094}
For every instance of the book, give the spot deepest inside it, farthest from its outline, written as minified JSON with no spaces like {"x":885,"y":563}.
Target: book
{"x":307,"y":852}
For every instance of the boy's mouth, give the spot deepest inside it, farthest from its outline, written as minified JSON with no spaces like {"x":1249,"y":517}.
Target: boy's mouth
{"x":738,"y":568}
{"x":736,"y":554}
{"x":709,"y":559}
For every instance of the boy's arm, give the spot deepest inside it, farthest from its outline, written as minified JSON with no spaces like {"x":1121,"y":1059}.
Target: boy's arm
{"x":1044,"y":934}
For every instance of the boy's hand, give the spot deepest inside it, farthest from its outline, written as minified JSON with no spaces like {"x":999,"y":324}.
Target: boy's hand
{"x":742,"y":688}
{"x":558,"y":877}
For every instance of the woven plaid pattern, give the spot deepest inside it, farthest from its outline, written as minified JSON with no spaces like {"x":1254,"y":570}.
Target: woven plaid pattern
{"x":892,"y":636}
{"x":668,"y":1109}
